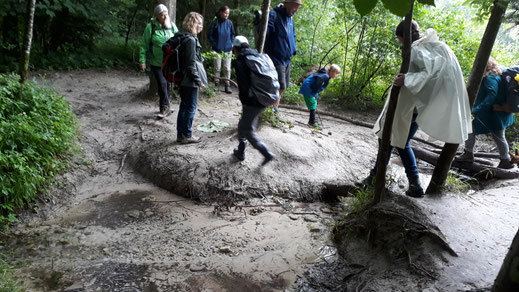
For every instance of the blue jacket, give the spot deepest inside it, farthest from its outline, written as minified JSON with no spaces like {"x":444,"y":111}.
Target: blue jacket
{"x":315,"y":83}
{"x":486,"y":120}
{"x":221,"y":34}
{"x":280,"y":42}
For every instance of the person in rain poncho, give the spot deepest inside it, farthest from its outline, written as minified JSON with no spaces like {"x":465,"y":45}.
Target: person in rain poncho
{"x":433,"y":97}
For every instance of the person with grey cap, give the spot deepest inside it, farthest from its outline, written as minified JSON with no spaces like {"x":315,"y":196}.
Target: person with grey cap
{"x":157,"y":32}
{"x":251,"y":107}
{"x":280,"y":41}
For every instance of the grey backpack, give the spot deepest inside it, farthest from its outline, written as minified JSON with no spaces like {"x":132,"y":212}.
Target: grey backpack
{"x":264,"y":79}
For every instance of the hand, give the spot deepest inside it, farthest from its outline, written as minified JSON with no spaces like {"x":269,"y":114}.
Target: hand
{"x":202,"y":86}
{"x":399,"y":80}
{"x":143,"y":66}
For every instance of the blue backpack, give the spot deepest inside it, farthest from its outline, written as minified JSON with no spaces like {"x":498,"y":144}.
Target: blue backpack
{"x":511,"y":86}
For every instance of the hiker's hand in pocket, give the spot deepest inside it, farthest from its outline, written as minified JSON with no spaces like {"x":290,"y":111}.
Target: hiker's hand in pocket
{"x":143,"y":66}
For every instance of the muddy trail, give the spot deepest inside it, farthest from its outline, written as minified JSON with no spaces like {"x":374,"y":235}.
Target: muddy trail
{"x":139,"y":212}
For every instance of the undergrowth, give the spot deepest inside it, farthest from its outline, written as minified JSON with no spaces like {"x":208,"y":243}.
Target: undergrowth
{"x":270,"y":117}
{"x":455,"y":185}
{"x":7,"y":281}
{"x":37,"y":131}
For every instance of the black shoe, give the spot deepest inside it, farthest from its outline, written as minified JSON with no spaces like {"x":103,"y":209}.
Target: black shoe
{"x":239,"y":151}
{"x":269,"y":156}
{"x":228,"y":89}
{"x":415,"y":189}
{"x":164,"y":112}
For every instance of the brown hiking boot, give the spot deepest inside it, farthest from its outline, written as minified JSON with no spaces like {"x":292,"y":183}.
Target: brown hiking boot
{"x":190,"y":140}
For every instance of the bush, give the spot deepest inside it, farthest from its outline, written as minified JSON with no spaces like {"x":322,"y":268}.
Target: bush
{"x":37,"y":128}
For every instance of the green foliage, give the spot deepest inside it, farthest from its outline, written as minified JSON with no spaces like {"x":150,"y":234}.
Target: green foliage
{"x":7,"y":281}
{"x":37,"y":128}
{"x":361,"y":198}
{"x":209,"y":91}
{"x":291,"y":96}
{"x":272,"y":118}
{"x":455,"y":185}
{"x":397,"y":7}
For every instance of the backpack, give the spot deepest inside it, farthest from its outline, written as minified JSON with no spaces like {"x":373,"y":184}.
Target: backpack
{"x":171,"y":61}
{"x":510,"y":78}
{"x":264,"y":82}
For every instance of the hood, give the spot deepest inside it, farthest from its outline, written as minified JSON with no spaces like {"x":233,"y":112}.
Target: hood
{"x":429,"y":35}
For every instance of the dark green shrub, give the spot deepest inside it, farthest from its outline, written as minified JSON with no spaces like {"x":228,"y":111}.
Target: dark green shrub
{"x":37,"y":128}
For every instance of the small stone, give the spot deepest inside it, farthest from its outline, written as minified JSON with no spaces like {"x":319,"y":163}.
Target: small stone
{"x":314,"y":229}
{"x":310,"y":219}
{"x":225,"y":249}
{"x":196,"y":267}
{"x":133,"y":214}
{"x":293,"y":217}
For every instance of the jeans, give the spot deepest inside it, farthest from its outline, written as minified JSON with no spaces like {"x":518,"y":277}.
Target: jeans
{"x":499,"y":139}
{"x":162,"y":85}
{"x":186,"y":110}
{"x":248,"y":122}
{"x":406,"y":154}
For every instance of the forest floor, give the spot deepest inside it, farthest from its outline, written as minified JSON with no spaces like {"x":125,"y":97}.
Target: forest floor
{"x":139,"y":212}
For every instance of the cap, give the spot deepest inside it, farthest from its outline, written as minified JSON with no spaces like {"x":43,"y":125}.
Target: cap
{"x":239,"y":40}
{"x":294,"y":1}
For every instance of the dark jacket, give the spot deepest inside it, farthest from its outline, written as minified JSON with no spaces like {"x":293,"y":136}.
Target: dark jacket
{"x":486,"y":120}
{"x":221,"y":34}
{"x":280,"y":42}
{"x":315,"y":83}
{"x":189,"y":55}
{"x":243,"y":76}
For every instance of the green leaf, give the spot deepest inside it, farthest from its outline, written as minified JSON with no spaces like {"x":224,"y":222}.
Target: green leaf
{"x":212,"y":126}
{"x":364,"y":7}
{"x":427,"y":2}
{"x":398,"y":7}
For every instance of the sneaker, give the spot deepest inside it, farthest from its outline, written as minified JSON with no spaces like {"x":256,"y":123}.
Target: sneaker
{"x":190,"y":140}
{"x":228,"y":89}
{"x":505,"y":164}
{"x":466,"y":157}
{"x":164,"y":111}
{"x":314,"y":125}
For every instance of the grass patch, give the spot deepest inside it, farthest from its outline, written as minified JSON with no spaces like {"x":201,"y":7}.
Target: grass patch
{"x":37,"y":132}
{"x":269,"y":117}
{"x":8,"y":283}
{"x":454,"y":184}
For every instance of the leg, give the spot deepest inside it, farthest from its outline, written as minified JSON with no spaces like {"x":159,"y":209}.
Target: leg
{"x":311,"y":104}
{"x":502,"y":144}
{"x":284,"y":81}
{"x":247,"y":129}
{"x":468,"y":153}
{"x":186,"y":111}
{"x":217,"y":68}
{"x":162,"y":85}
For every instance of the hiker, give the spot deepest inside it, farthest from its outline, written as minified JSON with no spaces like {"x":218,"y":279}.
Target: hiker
{"x":220,"y":35}
{"x":251,"y":107}
{"x":194,"y":77}
{"x":433,"y":96}
{"x":280,"y":41}
{"x":157,"y":32}
{"x":488,"y":118}
{"x":314,"y":84}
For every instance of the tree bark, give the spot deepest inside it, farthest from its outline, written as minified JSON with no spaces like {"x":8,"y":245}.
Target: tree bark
{"x":26,"y":53}
{"x":380,"y":178}
{"x":476,"y":75}
{"x":265,"y":9}
{"x":508,"y":276}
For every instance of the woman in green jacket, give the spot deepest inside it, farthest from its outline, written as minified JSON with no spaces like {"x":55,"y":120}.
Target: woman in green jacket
{"x":157,"y":32}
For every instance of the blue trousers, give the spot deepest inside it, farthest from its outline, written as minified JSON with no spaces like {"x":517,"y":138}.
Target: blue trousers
{"x":406,"y":154}
{"x":162,"y":84}
{"x":186,"y":110}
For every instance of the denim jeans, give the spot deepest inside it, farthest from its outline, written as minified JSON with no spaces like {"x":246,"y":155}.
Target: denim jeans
{"x":186,"y":110}
{"x":406,"y":154}
{"x":162,"y":85}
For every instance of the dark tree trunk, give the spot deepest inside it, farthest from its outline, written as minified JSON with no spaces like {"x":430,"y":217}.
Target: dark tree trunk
{"x":207,"y":20}
{"x":476,"y":75}
{"x":380,"y":179}
{"x":508,"y":276}
{"x":26,"y":53}
{"x":265,"y":9}
{"x":237,"y":22}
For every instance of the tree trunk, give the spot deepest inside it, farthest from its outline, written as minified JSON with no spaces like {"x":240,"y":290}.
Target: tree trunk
{"x":380,"y":178}
{"x":265,"y":9}
{"x":476,"y":75}
{"x":207,"y":20}
{"x":26,"y":53}
{"x":508,"y":277}
{"x":237,"y":21}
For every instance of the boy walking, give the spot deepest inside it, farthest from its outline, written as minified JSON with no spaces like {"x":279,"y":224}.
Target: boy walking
{"x":252,"y":108}
{"x":314,"y":84}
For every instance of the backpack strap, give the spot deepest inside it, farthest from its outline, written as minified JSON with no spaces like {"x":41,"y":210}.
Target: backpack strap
{"x":150,"y":48}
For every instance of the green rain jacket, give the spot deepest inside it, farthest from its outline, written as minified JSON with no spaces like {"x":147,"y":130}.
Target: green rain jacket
{"x":159,"y":37}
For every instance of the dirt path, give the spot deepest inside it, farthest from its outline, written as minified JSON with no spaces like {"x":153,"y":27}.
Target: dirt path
{"x":107,"y":227}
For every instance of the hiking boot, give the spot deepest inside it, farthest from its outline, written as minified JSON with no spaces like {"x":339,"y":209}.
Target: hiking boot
{"x":164,"y":111}
{"x":228,"y":89}
{"x":189,"y":140}
{"x":268,"y":156}
{"x":239,"y":152}
{"x":415,"y":189}
{"x":505,"y":164}
{"x":466,"y":157}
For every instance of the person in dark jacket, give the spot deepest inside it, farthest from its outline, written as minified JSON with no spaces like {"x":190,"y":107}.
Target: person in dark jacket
{"x":280,"y":41}
{"x":251,"y":108}
{"x":157,"y":32}
{"x":194,"y":76}
{"x":220,"y":35}
{"x":487,"y":116}
{"x":313,"y":85}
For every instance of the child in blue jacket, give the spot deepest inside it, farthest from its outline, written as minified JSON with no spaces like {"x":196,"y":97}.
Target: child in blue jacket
{"x":314,"y":84}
